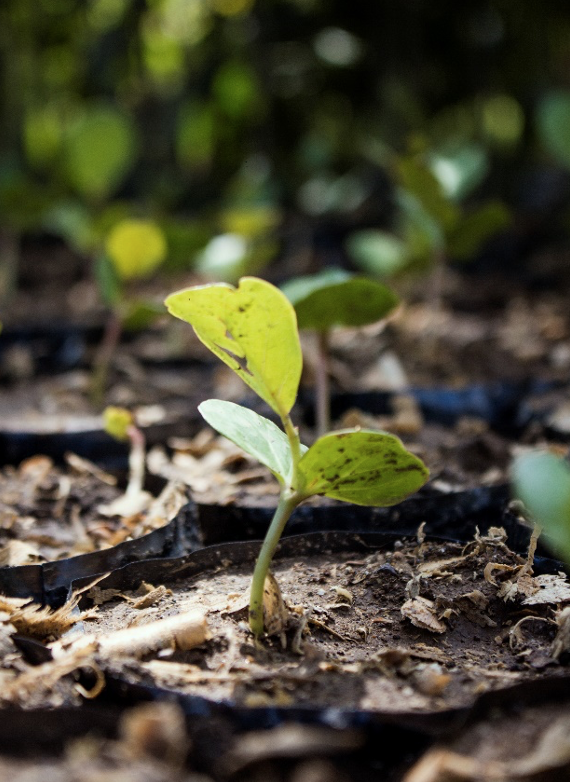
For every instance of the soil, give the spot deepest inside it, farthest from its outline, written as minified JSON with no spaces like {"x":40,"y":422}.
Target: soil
{"x":416,"y":631}
{"x":414,"y":628}
{"x":49,"y":512}
{"x":417,"y":627}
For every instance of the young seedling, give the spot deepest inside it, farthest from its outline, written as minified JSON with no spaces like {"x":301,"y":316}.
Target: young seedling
{"x":253,"y":329}
{"x":331,"y":299}
{"x":133,"y":250}
{"x":433,"y":225}
{"x":120,"y":424}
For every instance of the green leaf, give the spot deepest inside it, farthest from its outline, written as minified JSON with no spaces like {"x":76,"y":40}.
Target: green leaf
{"x":461,"y":170}
{"x":99,"y":151}
{"x":542,"y":482}
{"x":553,"y":124}
{"x":139,"y":314}
{"x":423,"y":235}
{"x":336,"y":298}
{"x":136,"y":248}
{"x":363,"y":467}
{"x":417,"y":179}
{"x":377,"y":252}
{"x":258,"y":436}
{"x":252,"y":329}
{"x":107,"y":281}
{"x":476,"y":228}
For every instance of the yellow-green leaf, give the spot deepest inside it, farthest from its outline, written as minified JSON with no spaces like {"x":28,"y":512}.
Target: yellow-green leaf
{"x":136,"y":248}
{"x":363,"y":467}
{"x":252,"y":329}
{"x":117,"y":421}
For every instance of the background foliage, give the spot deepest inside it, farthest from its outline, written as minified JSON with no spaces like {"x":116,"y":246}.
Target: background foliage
{"x":257,"y":123}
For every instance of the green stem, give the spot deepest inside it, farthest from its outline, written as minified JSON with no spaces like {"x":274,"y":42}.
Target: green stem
{"x":295,"y":444}
{"x":322,"y":386}
{"x":104,"y":356}
{"x":287,"y":503}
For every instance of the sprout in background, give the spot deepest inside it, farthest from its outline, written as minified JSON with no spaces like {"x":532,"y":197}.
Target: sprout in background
{"x":331,"y":299}
{"x":134,"y":249}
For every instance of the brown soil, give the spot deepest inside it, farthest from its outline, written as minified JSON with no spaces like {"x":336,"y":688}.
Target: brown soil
{"x":418,"y":627}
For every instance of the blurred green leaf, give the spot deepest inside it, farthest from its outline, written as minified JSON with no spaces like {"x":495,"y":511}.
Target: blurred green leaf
{"x":99,"y":150}
{"x":195,"y":135}
{"x":138,"y":314}
{"x":422,"y":234}
{"x":250,"y":221}
{"x":460,"y":171}
{"x":237,"y":90}
{"x":336,"y":298}
{"x":231,"y":256}
{"x":477,"y":228}
{"x":417,"y":179}
{"x":72,"y":221}
{"x":542,"y":482}
{"x":42,"y":135}
{"x":107,"y":281}
{"x":117,"y":421}
{"x":377,"y":252}
{"x":136,"y":248}
{"x":553,"y":125}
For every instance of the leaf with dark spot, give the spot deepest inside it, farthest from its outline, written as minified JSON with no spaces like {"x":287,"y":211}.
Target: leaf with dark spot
{"x":369,"y":468}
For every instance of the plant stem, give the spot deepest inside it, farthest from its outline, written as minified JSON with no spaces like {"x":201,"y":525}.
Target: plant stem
{"x":137,"y":458}
{"x":104,"y":356}
{"x":295,"y":444}
{"x":288,"y":501}
{"x":322,"y":386}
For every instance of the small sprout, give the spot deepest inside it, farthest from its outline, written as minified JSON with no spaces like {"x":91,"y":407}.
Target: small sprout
{"x":332,"y":299}
{"x":117,"y":422}
{"x":253,"y":329}
{"x":133,"y":250}
{"x":120,"y":424}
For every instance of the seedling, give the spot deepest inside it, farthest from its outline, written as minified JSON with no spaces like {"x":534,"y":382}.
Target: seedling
{"x":133,"y":250}
{"x":330,"y":299}
{"x":120,"y":424}
{"x":253,"y":329}
{"x":541,"y":481}
{"x":433,"y":225}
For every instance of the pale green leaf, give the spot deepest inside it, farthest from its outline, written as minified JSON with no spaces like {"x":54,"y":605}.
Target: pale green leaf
{"x":252,"y":329}
{"x":377,"y":252}
{"x":542,"y":482}
{"x":417,"y":179}
{"x":258,"y":436}
{"x":336,"y":298}
{"x":363,"y":467}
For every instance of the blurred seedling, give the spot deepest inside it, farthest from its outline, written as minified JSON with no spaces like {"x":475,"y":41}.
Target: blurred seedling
{"x":433,"y":225}
{"x":332,"y":299}
{"x":253,"y":329}
{"x":120,"y":424}
{"x":134,"y":249}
